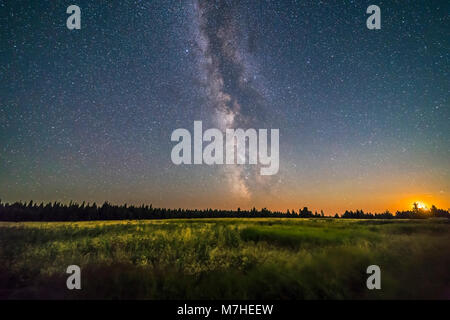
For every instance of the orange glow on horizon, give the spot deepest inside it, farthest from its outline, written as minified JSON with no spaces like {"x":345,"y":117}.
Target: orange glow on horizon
{"x":421,"y":205}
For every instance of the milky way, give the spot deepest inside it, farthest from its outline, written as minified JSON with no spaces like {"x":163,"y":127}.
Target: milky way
{"x":225,"y":75}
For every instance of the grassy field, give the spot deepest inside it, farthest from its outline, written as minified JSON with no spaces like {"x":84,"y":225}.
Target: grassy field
{"x":226,"y":259}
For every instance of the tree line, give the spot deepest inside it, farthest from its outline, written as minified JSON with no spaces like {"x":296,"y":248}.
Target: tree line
{"x":56,"y":211}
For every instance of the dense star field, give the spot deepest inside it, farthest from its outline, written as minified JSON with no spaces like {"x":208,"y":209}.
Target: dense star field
{"x":86,"y":115}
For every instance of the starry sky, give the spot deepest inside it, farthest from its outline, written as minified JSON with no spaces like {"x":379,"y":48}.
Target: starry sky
{"x":86,"y":115}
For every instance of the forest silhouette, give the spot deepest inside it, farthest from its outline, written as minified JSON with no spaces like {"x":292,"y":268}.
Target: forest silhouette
{"x":56,"y":211}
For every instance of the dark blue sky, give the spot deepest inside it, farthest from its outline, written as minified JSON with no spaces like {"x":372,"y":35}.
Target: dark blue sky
{"x":87,"y":114}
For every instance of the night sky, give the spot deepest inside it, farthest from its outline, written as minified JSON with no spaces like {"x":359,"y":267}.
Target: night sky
{"x":86,"y":115}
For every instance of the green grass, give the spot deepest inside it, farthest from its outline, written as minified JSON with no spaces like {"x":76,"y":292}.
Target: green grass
{"x":226,"y":259}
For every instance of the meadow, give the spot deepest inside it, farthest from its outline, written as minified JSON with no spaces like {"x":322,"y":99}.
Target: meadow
{"x":235,"y":258}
